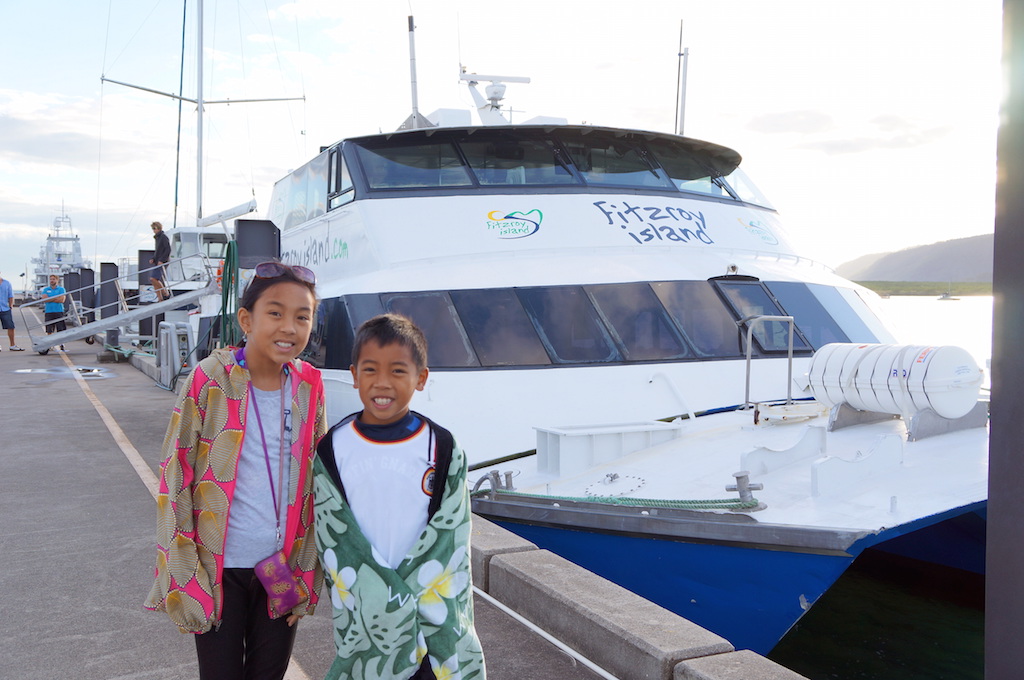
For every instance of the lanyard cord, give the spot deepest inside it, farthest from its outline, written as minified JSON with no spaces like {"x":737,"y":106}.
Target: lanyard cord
{"x":266,"y":457}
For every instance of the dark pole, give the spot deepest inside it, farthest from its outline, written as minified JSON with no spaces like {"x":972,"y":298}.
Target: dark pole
{"x":1004,"y":585}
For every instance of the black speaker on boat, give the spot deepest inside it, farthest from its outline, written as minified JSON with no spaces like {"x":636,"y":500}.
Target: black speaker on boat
{"x":88,"y":292}
{"x":258,"y":241}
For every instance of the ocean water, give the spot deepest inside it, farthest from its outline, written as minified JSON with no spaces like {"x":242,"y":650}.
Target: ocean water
{"x":891,"y":618}
{"x":926,"y":320}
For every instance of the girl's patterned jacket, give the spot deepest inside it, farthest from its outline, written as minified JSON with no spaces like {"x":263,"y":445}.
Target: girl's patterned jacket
{"x":197,"y":483}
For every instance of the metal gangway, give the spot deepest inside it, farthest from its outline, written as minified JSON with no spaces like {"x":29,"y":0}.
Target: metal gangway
{"x":129,"y":307}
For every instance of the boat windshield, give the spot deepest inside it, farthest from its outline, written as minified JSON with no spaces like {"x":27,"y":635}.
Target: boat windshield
{"x":561,"y":156}
{"x":406,"y":164}
{"x":500,"y":158}
{"x":503,"y":160}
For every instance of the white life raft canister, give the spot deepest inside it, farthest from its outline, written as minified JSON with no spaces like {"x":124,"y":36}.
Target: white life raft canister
{"x":896,"y":379}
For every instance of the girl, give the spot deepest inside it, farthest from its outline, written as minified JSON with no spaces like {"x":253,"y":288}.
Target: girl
{"x":236,"y":489}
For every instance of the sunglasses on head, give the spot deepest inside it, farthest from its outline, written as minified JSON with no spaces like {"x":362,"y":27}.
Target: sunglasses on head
{"x":272,"y":270}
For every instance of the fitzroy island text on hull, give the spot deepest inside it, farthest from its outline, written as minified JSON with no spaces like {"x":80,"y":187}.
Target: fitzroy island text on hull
{"x":628,"y":304}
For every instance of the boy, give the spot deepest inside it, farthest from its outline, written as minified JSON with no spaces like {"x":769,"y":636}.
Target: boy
{"x":393,"y":523}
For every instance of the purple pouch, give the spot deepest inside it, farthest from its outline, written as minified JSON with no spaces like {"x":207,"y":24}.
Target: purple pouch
{"x":284,"y":592}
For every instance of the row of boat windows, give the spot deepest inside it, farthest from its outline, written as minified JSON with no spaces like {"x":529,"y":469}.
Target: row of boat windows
{"x":601,"y":324}
{"x":460,"y":160}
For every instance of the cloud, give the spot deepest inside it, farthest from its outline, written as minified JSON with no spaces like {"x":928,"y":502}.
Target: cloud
{"x":26,"y":140}
{"x":791,"y":121}
{"x":905,"y":138}
{"x":890,"y":123}
{"x":314,"y":9}
{"x":38,"y":141}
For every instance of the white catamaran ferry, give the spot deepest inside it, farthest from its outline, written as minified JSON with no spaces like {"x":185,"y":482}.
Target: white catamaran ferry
{"x":619,"y":331}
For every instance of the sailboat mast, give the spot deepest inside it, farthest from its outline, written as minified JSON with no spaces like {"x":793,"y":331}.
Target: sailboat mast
{"x":199,"y":117}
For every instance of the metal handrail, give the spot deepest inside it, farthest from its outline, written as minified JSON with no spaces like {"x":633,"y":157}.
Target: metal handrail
{"x":130,"y":309}
{"x":750,"y":322}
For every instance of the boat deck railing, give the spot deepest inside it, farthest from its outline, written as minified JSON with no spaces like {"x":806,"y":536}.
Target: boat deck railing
{"x":118,"y":302}
{"x":751,"y":322}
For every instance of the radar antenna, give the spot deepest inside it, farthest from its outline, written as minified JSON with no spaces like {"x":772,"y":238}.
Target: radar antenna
{"x":489,"y":109}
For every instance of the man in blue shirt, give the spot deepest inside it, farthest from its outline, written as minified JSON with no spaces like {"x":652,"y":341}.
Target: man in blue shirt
{"x":53,"y":312}
{"x":6,"y":313}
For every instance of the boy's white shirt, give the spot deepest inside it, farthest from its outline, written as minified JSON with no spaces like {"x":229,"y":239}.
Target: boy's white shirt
{"x":384,"y":485}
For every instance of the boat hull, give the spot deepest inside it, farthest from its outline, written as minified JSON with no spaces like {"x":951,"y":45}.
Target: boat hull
{"x":751,"y":594}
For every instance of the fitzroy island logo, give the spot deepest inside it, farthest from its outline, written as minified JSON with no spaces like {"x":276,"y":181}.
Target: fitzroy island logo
{"x":761,"y":231}
{"x":515,"y":224}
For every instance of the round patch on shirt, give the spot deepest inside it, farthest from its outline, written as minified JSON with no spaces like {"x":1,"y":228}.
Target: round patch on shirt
{"x":428,"y":481}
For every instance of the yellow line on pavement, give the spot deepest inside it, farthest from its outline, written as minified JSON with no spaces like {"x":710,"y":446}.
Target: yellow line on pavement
{"x":130,"y":452}
{"x":144,"y":472}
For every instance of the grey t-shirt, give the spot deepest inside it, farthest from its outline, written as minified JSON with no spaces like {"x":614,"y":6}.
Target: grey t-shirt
{"x":252,"y":531}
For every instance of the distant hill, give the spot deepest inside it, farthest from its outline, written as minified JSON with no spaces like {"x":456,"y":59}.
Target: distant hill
{"x":963,"y":259}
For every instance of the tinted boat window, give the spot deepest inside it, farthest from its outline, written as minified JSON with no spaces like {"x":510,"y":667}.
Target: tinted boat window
{"x":604,"y":159}
{"x":363,"y":307}
{"x":330,"y":343}
{"x":810,"y":313}
{"x":498,"y":327}
{"x":447,"y":344}
{"x":568,"y":325}
{"x":865,"y":314}
{"x":749,"y":298}
{"x":501,"y":159}
{"x":699,"y":311}
{"x":638,"y":322}
{"x":686,"y":170}
{"x":316,"y":187}
{"x":413,"y":166}
{"x":745,"y":189}
{"x":340,"y":182}
{"x":295,"y":212}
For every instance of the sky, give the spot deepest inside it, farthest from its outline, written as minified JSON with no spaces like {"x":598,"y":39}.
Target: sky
{"x":870,"y":124}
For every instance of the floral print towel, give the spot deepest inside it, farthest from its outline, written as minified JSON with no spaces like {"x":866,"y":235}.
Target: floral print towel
{"x":386,"y":621}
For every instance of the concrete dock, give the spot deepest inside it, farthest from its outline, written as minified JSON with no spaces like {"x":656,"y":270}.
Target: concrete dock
{"x":79,"y":456}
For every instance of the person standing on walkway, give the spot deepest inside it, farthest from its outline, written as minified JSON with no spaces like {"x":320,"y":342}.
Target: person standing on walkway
{"x":236,"y":556}
{"x":53,"y":310}
{"x":7,"y":311}
{"x":161,"y":256}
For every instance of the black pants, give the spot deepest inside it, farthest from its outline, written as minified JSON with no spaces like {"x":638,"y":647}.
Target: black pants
{"x":249,"y":645}
{"x":424,"y":672}
{"x":54,"y":322}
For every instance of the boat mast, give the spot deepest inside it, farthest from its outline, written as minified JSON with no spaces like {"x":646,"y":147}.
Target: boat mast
{"x":199,"y":104}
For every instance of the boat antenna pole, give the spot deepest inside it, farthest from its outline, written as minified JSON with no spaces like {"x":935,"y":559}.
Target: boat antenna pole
{"x":683,"y":57}
{"x":412,"y":73}
{"x":415,"y":121}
